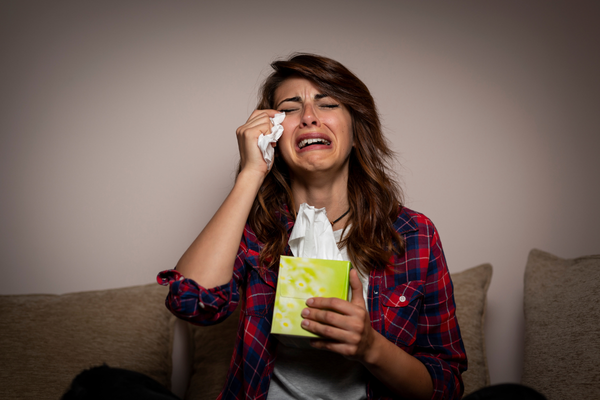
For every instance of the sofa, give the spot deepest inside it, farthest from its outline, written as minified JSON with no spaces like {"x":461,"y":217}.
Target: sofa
{"x":46,"y":340}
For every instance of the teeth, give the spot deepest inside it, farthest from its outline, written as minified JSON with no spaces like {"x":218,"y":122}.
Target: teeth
{"x":306,"y":142}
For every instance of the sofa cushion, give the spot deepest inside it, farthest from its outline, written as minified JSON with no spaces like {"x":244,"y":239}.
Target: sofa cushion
{"x":212,"y":348}
{"x":562,"y":340}
{"x":46,"y":340}
{"x":213,"y":345}
{"x":470,"y":293}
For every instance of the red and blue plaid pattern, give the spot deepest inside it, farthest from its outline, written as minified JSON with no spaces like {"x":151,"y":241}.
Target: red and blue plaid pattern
{"x":411,"y":303}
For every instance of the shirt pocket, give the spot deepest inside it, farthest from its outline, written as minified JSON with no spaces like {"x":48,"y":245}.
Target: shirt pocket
{"x":400,"y":308}
{"x":260,"y":296}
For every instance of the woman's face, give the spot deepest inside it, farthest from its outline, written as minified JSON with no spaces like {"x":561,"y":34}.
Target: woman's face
{"x":317,"y":135}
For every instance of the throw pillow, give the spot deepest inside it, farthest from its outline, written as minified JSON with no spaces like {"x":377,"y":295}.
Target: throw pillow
{"x":47,"y":340}
{"x":470,"y":292}
{"x":562,"y":344}
{"x":212,"y":348}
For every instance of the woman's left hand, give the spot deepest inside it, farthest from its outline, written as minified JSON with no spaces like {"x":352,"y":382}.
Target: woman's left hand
{"x":347,"y":327}
{"x":345,"y":323}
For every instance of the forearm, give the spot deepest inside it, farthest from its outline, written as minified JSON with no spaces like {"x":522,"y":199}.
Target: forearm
{"x":209,"y":260}
{"x":398,"y":370}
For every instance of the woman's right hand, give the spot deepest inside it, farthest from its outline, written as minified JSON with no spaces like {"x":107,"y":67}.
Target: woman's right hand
{"x":251,"y":158}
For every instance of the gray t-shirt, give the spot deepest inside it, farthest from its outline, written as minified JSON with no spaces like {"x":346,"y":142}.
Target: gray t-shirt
{"x":318,"y":374}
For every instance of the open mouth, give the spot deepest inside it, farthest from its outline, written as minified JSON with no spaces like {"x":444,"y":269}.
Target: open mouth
{"x":310,"y":142}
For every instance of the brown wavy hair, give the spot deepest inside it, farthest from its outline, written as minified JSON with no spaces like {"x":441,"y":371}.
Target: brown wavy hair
{"x":374,"y":197}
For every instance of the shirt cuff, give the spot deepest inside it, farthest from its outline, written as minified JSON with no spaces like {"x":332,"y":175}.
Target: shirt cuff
{"x":192,"y":302}
{"x":446,"y":384}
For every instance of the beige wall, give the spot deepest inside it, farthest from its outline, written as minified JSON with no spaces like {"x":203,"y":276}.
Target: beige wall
{"x":117,"y":125}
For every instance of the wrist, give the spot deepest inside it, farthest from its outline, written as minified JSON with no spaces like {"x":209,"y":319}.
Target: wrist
{"x":251,"y":177}
{"x":373,"y":353}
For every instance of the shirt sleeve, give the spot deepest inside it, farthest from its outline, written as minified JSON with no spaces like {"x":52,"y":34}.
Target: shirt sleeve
{"x":191,"y":302}
{"x":439,"y":343}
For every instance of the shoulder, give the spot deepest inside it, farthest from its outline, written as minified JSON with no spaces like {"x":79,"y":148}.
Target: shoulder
{"x":423,"y":258}
{"x":412,"y":221}
{"x":251,"y":243}
{"x":421,"y":238}
{"x":250,"y":237}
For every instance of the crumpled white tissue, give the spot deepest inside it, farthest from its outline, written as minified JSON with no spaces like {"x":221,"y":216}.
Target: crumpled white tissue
{"x":312,"y":235}
{"x":264,"y":141}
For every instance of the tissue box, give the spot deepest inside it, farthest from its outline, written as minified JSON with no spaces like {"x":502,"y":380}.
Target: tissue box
{"x":300,"y":279}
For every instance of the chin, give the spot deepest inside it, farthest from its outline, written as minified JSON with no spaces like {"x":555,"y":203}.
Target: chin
{"x":317,"y":166}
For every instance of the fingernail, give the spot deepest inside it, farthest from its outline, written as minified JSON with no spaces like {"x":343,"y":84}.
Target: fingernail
{"x":304,"y":323}
{"x":305,"y":312}
{"x":310,"y":301}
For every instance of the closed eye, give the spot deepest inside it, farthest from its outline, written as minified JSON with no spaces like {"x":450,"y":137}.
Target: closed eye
{"x":289,"y":110}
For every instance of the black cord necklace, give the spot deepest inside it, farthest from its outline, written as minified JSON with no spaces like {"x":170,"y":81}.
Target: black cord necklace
{"x":342,"y":216}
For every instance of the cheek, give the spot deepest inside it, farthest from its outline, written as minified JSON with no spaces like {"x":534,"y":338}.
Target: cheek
{"x":285,"y":139}
{"x":285,"y":145}
{"x":344,"y":131}
{"x":288,"y":125}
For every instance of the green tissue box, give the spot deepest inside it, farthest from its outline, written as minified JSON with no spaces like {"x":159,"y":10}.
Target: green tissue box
{"x":300,"y":279}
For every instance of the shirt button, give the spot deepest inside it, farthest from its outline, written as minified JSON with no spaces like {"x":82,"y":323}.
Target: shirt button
{"x":201,"y":304}
{"x":402,"y":299}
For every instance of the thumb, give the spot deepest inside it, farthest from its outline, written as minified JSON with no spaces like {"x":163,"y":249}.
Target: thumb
{"x":357,"y":289}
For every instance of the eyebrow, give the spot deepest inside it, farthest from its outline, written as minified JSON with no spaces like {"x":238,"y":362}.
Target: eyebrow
{"x":318,"y":96}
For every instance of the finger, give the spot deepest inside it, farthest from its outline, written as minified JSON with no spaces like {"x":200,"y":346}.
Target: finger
{"x":258,"y":118}
{"x":258,"y":123}
{"x":353,"y":322}
{"x":258,"y":113}
{"x":324,"y":316}
{"x":247,"y":138}
{"x":331,"y":303}
{"x":255,"y":126}
{"x":357,"y":289}
{"x":330,"y":332}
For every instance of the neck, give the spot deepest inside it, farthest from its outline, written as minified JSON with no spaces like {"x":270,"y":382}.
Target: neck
{"x":329,"y":193}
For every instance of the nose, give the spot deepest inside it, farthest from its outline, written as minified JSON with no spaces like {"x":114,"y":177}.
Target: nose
{"x":309,"y":117}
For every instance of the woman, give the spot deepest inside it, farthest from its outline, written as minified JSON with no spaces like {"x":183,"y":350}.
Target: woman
{"x":397,"y":338}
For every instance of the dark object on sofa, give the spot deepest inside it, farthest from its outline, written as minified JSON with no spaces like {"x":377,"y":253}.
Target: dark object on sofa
{"x":106,"y":383}
{"x":506,"y":391}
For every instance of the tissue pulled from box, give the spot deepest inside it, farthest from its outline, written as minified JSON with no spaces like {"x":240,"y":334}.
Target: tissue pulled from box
{"x":312,"y":235}
{"x":264,"y":141}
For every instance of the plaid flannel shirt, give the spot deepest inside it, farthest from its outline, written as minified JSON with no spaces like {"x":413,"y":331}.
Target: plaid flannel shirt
{"x":411,"y":303}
